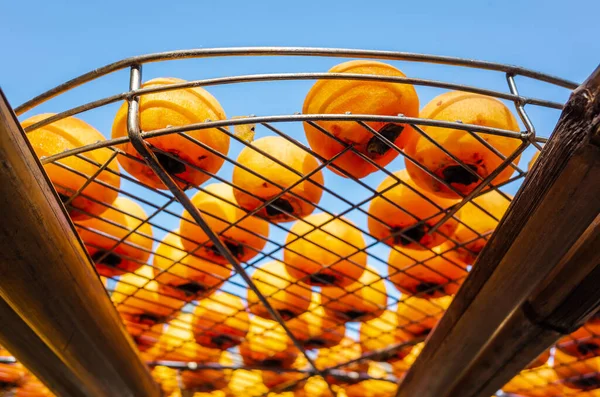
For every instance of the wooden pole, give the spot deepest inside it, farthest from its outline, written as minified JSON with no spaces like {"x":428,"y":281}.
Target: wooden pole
{"x":49,"y":282}
{"x":498,"y":319}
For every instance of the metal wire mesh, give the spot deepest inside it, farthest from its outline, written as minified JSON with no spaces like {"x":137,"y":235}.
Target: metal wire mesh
{"x":163,"y":319}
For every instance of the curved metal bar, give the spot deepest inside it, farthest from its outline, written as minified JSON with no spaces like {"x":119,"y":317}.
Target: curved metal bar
{"x":286,"y":119}
{"x":137,"y":141}
{"x":288,"y":51}
{"x":290,"y":77}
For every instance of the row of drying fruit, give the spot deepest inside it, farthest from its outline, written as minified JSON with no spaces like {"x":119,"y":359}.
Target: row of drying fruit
{"x":17,"y":381}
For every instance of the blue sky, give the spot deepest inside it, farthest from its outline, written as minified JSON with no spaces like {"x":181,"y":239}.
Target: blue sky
{"x":46,"y":43}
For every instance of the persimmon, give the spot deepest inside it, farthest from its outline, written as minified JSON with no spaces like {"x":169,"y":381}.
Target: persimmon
{"x":321,"y":250}
{"x":583,"y":343}
{"x":363,"y":300}
{"x":540,"y":360}
{"x":177,"y":343}
{"x":216,"y":202}
{"x":208,"y":380}
{"x":189,"y":274}
{"x":468,"y":108}
{"x":538,"y":382}
{"x":341,"y":353}
{"x":267,"y":344}
{"x":576,"y":373}
{"x":175,"y":109}
{"x":477,"y":219}
{"x":417,"y":316}
{"x":533,"y":160}
{"x":12,"y":376}
{"x":120,"y":240}
{"x":316,"y":386}
{"x":360,"y":97}
{"x":400,"y":367}
{"x":70,"y":133}
{"x":286,"y":295}
{"x":382,"y":332}
{"x":143,"y":335}
{"x":247,"y":383}
{"x":138,"y":300}
{"x":373,"y":387}
{"x":430,"y":274}
{"x":273,"y":379}
{"x":167,"y":378}
{"x":220,"y":321}
{"x":33,"y":388}
{"x":314,"y":329}
{"x":406,"y":206}
{"x":271,"y":178}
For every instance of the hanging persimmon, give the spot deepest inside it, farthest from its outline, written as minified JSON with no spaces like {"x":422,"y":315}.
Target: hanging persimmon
{"x":192,"y":276}
{"x":268,"y":345}
{"x":285,"y":294}
{"x":322,"y":250}
{"x":363,"y":300}
{"x":540,"y":360}
{"x":139,"y":301}
{"x":268,"y":179}
{"x":273,"y":379}
{"x":220,"y":321}
{"x":207,"y":379}
{"x":314,"y":329}
{"x":120,"y":240}
{"x":417,"y":316}
{"x":538,"y":382}
{"x":347,"y":350}
{"x":430,"y":274}
{"x":382,"y":332}
{"x":143,"y":335}
{"x":217,"y":206}
{"x":582,"y":343}
{"x":180,"y":157}
{"x":576,"y":373}
{"x":404,"y":213}
{"x":360,"y":97}
{"x":479,"y":219}
{"x":478,"y":159}
{"x":74,"y":172}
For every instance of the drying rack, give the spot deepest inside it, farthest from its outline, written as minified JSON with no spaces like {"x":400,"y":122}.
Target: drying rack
{"x":163,"y":205}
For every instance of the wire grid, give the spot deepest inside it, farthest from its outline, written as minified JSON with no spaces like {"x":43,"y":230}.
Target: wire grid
{"x":164,"y":209}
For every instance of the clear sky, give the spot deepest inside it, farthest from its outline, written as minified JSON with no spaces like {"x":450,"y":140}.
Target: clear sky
{"x":45,"y":43}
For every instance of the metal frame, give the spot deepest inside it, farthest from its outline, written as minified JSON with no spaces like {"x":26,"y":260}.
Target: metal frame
{"x":273,"y":123}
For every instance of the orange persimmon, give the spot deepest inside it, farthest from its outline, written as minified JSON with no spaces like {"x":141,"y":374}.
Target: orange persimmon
{"x":576,"y":373}
{"x":405,"y":206}
{"x":71,"y":133}
{"x":320,"y":250}
{"x":208,"y":380}
{"x":167,"y":378}
{"x":314,"y":329}
{"x":271,"y":178}
{"x":220,"y":321}
{"x":177,"y":343}
{"x":32,"y":388}
{"x":143,"y":335}
{"x":273,"y":379}
{"x":189,"y":274}
{"x":341,"y":353}
{"x":288,"y":296}
{"x":175,"y":109}
{"x":267,"y":344}
{"x":417,"y":316}
{"x":373,"y":387}
{"x":247,"y":383}
{"x":139,"y":301}
{"x":584,"y":342}
{"x":468,"y":108}
{"x":533,"y":160}
{"x":382,"y":332}
{"x":477,"y":219}
{"x":431,"y":274}
{"x":360,"y":97}
{"x":12,"y":376}
{"x":540,"y":360}
{"x":360,"y":301}
{"x":217,"y":205}
{"x":537,"y":382}
{"x":124,"y":227}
